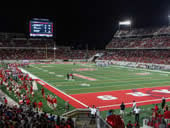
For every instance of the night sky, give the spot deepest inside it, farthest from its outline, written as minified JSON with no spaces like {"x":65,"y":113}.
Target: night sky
{"x":91,"y":22}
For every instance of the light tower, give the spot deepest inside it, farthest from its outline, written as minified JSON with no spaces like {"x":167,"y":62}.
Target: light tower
{"x":168,"y":20}
{"x":127,"y":23}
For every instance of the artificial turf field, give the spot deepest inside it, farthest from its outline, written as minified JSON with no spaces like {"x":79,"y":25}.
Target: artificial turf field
{"x":104,"y":87}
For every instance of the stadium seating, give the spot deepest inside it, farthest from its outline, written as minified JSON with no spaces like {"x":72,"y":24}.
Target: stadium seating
{"x":143,"y":43}
{"x":165,"y":30}
{"x":34,"y":54}
{"x":145,"y":56}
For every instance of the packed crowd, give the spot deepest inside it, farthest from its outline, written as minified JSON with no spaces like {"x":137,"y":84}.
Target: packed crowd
{"x":143,"y":32}
{"x":143,"y":56}
{"x":35,"y":54}
{"x":22,"y":86}
{"x":149,"y":42}
{"x":18,"y":117}
{"x":27,"y":43}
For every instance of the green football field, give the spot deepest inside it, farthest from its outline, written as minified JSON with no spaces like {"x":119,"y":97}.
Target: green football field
{"x":113,"y":80}
{"x":107,"y":78}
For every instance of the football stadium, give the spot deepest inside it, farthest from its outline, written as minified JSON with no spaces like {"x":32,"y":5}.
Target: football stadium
{"x":46,"y":82}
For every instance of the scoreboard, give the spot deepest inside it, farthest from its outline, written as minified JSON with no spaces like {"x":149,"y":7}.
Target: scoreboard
{"x":41,"y":28}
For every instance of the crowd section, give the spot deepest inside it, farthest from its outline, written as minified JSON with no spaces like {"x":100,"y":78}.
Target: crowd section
{"x":160,"y":117}
{"x":147,"y":42}
{"x":143,"y":56}
{"x":33,"y":54}
{"x":18,"y":117}
{"x":30,"y":113}
{"x":142,"y":32}
{"x":26,"y":43}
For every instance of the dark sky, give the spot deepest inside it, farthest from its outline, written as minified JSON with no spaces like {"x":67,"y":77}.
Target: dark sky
{"x":87,"y":21}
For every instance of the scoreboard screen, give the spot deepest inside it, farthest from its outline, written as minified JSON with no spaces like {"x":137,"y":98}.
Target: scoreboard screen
{"x":40,"y":28}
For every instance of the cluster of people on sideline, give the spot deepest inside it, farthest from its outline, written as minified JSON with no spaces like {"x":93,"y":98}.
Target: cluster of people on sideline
{"x":160,"y":116}
{"x":19,"y":84}
{"x":51,"y":100}
{"x":159,"y":119}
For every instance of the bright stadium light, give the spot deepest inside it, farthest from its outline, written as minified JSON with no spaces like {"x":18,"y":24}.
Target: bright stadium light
{"x":127,"y":22}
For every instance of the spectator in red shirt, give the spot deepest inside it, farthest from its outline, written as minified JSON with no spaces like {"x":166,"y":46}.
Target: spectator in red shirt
{"x":42,"y":91}
{"x":137,"y":125}
{"x":156,"y":108}
{"x":54,"y":100}
{"x":31,"y":89}
{"x":167,"y":115}
{"x":129,"y":125}
{"x":150,"y":123}
{"x":40,"y":104}
{"x":28,"y":101}
{"x":5,"y":101}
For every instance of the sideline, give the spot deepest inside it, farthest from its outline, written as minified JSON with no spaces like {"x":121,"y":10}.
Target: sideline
{"x":60,"y":93}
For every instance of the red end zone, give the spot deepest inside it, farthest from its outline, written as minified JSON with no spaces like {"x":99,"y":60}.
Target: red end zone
{"x":113,"y":99}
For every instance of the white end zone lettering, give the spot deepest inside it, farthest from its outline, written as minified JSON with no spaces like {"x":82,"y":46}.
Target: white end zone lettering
{"x":107,"y":97}
{"x":139,"y":94}
{"x":162,"y":91}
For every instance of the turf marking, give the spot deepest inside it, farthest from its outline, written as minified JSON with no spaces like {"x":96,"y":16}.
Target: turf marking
{"x":51,"y":72}
{"x":84,"y":84}
{"x":84,"y":69}
{"x":84,"y":77}
{"x":60,"y":75}
{"x":143,"y":74}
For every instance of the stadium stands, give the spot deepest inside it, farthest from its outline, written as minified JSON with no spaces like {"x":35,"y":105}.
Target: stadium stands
{"x":16,"y":48}
{"x":140,"y":43}
{"x":35,"y":54}
{"x":165,"y":30}
{"x":143,"y":56}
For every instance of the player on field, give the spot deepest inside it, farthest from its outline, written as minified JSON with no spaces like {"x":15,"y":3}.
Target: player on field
{"x":68,"y":76}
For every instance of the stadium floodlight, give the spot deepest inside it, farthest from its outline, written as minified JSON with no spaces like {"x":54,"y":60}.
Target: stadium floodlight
{"x":127,"y":22}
